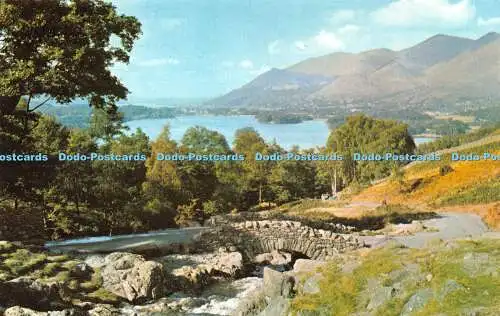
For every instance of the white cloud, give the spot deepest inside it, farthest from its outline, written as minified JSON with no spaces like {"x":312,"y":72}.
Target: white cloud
{"x":246,"y":64}
{"x":169,"y":24}
{"x":273,"y":47}
{"x":329,"y":40}
{"x":348,"y":29}
{"x":425,"y":12}
{"x":323,"y":42}
{"x":342,"y":16}
{"x":300,"y":45}
{"x":488,"y":22}
{"x":159,"y":62}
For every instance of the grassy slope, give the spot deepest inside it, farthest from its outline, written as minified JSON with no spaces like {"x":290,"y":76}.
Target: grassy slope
{"x":461,"y":276}
{"x":471,"y":185}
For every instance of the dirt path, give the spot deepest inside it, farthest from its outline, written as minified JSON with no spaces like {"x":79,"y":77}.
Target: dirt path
{"x":448,"y":226}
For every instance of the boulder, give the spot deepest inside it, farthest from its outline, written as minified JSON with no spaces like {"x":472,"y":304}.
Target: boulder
{"x":278,"y":284}
{"x":230,"y":264}
{"x":132,"y":277}
{"x":104,"y":310}
{"x":417,"y":301}
{"x":21,"y":311}
{"x":311,"y":284}
{"x":307,"y":265}
{"x":30,"y":292}
{"x":81,"y":271}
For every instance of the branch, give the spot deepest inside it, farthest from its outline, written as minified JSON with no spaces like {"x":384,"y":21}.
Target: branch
{"x":39,"y":105}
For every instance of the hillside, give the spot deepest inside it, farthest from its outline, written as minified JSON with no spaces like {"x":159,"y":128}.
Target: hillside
{"x":472,"y":186}
{"x":440,"y":70}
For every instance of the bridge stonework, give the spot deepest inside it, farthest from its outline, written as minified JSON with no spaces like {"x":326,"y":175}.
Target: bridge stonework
{"x":256,"y":237}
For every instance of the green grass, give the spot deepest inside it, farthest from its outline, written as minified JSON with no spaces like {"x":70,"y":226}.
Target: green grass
{"x":22,"y":261}
{"x":104,"y":296}
{"x":347,"y":294}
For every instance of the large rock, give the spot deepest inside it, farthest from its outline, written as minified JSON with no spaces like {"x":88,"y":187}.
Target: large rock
{"x":132,"y":277}
{"x":417,"y":301}
{"x":23,"y":311}
{"x":307,"y":265}
{"x":30,"y":292}
{"x":230,"y":264}
{"x":278,"y":284}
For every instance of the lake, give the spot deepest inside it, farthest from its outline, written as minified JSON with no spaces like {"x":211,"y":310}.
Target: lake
{"x":307,"y":134}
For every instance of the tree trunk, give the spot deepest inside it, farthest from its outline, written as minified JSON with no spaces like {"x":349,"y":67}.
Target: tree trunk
{"x":260,"y":193}
{"x":334,"y":183}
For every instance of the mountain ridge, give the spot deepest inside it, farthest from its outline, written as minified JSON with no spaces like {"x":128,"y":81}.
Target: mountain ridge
{"x":442,"y":68}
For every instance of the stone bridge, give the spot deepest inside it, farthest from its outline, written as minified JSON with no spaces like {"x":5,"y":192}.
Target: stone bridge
{"x":256,"y":237}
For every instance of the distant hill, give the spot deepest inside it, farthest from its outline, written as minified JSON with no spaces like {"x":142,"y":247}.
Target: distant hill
{"x":441,"y":69}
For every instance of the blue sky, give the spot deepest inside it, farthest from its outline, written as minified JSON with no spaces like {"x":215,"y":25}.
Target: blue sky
{"x":204,"y":48}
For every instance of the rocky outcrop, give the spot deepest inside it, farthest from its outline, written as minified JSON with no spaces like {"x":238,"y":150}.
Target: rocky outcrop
{"x":30,"y":292}
{"x":256,"y":237}
{"x":132,"y":277}
{"x":22,"y":311}
{"x":191,"y":273}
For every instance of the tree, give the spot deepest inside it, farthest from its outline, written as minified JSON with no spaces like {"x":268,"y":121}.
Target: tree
{"x":365,"y":135}
{"x":118,"y":188}
{"x":293,"y":179}
{"x":199,"y":178}
{"x":247,"y":141}
{"x":162,"y":188}
{"x":62,"y":49}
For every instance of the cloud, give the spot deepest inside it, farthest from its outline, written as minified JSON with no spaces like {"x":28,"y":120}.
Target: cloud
{"x":246,"y":64}
{"x":169,"y":24}
{"x":488,"y":22}
{"x":329,"y":40}
{"x":159,"y":62}
{"x":342,"y":16}
{"x":300,"y":45}
{"x":425,"y":12}
{"x":348,"y":29}
{"x":273,"y":47}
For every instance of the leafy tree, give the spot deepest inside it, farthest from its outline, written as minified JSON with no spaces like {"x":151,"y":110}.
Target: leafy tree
{"x":62,"y":49}
{"x":364,"y":135}
{"x":118,"y":188}
{"x":293,"y":179}
{"x":162,"y":187}
{"x":105,"y":124}
{"x":255,"y":173}
{"x":199,"y":178}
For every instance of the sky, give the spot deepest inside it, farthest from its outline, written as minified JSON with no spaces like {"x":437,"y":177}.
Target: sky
{"x":205,"y":48}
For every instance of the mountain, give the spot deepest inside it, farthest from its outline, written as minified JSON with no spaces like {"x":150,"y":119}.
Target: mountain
{"x":276,"y":85}
{"x":438,"y":70}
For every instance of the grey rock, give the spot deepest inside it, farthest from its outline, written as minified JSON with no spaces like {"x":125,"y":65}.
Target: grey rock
{"x":22,"y":311}
{"x":380,"y":296}
{"x":81,"y":271}
{"x":277,"y":307}
{"x":132,"y":277}
{"x":273,"y":281}
{"x":449,"y":287}
{"x":307,"y":265}
{"x":32,"y":293}
{"x":311,"y":284}
{"x":104,"y":310}
{"x":417,"y":301}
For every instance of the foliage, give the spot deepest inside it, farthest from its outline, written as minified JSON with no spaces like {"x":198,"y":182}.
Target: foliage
{"x":66,"y":51}
{"x":364,"y":135}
